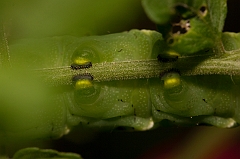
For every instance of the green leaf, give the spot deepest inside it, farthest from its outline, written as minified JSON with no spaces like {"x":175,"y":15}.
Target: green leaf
{"x":36,"y":153}
{"x":187,"y":26}
{"x":231,"y":41}
{"x":162,"y":11}
{"x":158,"y":11}
{"x":217,"y":13}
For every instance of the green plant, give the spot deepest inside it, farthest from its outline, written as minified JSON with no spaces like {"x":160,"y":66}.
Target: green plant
{"x":126,"y":89}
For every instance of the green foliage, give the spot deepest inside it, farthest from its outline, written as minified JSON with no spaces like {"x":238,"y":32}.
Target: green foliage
{"x":231,"y":41}
{"x":36,"y":153}
{"x":47,"y":18}
{"x":196,"y":25}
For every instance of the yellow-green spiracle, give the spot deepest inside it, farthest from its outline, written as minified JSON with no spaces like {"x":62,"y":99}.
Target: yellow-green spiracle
{"x":82,"y":84}
{"x":85,"y":91}
{"x":80,"y":63}
{"x":83,"y":81}
{"x":171,"y":80}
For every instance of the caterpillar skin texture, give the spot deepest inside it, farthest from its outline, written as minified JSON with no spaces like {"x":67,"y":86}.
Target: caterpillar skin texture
{"x":141,"y":103}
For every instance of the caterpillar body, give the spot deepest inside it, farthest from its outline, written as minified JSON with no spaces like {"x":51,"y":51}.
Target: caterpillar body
{"x":140,"y":104}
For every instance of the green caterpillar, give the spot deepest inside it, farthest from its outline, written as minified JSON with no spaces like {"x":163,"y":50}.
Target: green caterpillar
{"x":57,"y":108}
{"x":138,"y":80}
{"x":119,"y":96}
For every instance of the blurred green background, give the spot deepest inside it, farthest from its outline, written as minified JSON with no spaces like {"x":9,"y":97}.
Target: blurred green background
{"x":46,"y":18}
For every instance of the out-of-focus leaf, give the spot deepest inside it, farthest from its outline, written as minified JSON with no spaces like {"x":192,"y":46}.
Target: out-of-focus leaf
{"x":217,"y":13}
{"x":27,"y":18}
{"x":159,"y":11}
{"x":36,"y":153}
{"x":28,"y":109}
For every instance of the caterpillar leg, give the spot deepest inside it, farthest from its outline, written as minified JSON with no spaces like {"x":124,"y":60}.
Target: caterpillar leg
{"x":166,"y":119}
{"x":126,"y":122}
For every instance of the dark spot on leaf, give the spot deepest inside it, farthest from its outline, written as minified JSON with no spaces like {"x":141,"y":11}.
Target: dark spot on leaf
{"x":176,"y":19}
{"x":176,"y":29}
{"x":183,"y":30}
{"x":203,"y":9}
{"x":184,"y":11}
